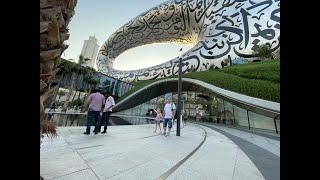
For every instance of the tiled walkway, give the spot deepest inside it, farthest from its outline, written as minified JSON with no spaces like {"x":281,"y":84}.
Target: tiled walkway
{"x":263,"y":152}
{"x":135,"y":152}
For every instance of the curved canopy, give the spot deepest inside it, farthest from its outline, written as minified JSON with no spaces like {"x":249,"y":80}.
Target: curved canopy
{"x":161,"y":87}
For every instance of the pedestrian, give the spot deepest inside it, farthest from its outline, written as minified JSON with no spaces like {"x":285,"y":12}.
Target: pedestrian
{"x":185,"y":117}
{"x":50,"y":115}
{"x":169,"y":114}
{"x":182,"y":118}
{"x":198,"y":115}
{"x":158,"y":120}
{"x":95,"y":101}
{"x":107,"y":112}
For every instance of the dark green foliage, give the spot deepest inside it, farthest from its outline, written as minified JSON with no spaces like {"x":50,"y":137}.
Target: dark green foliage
{"x":263,"y":51}
{"x":258,"y":79}
{"x":61,"y":93}
{"x":137,"y":85}
{"x":252,"y":87}
{"x":264,"y":70}
{"x":66,"y":66}
{"x":77,"y":102}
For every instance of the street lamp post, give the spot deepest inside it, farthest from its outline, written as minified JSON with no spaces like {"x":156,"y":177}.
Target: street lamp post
{"x":179,"y":97}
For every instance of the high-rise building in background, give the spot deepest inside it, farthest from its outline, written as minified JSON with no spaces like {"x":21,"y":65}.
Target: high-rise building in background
{"x":90,"y":50}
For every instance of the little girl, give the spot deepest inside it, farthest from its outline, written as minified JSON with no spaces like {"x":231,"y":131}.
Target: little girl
{"x":158,"y":119}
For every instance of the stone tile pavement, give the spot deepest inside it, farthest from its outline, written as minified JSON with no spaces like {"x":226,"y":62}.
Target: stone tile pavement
{"x":135,"y":152}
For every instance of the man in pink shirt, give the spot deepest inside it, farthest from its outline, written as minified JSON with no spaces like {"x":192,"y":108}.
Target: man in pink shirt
{"x":95,"y":101}
{"x":107,"y":112}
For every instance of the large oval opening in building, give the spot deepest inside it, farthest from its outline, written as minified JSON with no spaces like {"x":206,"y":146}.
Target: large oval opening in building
{"x":149,"y":55}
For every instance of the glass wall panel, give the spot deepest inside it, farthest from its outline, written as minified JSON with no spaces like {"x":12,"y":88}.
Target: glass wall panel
{"x":228,"y":113}
{"x":261,"y":122}
{"x":241,"y":116}
{"x":278,"y":124}
{"x":213,"y":110}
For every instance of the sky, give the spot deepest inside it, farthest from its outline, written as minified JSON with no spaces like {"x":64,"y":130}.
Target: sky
{"x":102,"y":18}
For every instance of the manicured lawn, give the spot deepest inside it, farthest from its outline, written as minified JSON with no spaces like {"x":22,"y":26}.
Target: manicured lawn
{"x":265,"y":70}
{"x":258,"y":79}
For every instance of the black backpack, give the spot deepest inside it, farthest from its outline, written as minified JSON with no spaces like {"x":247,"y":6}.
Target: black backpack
{"x":176,"y":114}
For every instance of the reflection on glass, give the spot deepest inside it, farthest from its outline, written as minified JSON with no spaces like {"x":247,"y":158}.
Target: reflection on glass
{"x":278,"y":124}
{"x":241,"y":116}
{"x":261,"y":122}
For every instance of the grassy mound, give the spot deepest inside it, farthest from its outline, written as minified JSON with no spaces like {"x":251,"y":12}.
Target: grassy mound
{"x":257,"y":79}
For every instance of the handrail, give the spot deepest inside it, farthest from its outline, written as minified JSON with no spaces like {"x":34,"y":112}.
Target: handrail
{"x":114,"y":114}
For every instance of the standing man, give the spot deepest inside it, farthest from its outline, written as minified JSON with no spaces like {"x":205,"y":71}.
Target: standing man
{"x":169,"y":113}
{"x":107,"y":112}
{"x":95,"y":101}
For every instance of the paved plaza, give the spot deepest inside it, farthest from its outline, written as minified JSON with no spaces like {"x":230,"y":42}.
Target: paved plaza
{"x":135,"y":152}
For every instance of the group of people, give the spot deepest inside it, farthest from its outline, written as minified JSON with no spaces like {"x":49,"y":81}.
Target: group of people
{"x":168,"y":116}
{"x":97,"y":103}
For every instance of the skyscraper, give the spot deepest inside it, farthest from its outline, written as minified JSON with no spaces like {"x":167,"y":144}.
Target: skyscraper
{"x":89,"y":50}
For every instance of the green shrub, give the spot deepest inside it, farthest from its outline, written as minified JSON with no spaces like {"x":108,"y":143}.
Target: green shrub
{"x":258,"y":79}
{"x":252,"y":87}
{"x":263,"y":51}
{"x":268,"y":70}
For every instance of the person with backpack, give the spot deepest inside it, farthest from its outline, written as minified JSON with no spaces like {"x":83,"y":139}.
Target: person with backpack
{"x":169,"y":114}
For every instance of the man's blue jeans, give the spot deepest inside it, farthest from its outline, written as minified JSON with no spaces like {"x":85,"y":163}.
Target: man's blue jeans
{"x":97,"y":117}
{"x":105,"y":119}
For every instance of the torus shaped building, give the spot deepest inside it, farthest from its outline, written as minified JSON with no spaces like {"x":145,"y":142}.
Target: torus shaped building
{"x":219,"y":30}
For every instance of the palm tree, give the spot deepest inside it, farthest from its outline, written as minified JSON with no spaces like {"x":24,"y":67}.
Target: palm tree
{"x":52,"y":37}
{"x":82,"y":60}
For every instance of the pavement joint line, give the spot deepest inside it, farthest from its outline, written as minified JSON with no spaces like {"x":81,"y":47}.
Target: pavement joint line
{"x":121,"y":172}
{"x":263,"y":168}
{"x":90,"y":147}
{"x":175,"y":167}
{"x":76,"y":150}
{"x":251,"y":136}
{"x":85,"y":161}
{"x":68,"y":174}
{"x":125,"y":170}
{"x":251,"y":132}
{"x":235,"y":163}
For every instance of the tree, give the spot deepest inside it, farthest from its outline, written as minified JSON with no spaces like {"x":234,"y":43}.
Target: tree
{"x":73,"y":69}
{"x":92,"y":82}
{"x":82,"y":60}
{"x":54,"y":19}
{"x":263,"y":51}
{"x":76,"y":70}
{"x":60,"y":94}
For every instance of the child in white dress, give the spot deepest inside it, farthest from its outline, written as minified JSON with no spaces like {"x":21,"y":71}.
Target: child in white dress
{"x":158,"y":119}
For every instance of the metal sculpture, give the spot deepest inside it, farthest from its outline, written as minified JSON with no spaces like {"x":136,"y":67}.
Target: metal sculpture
{"x":220,"y":30}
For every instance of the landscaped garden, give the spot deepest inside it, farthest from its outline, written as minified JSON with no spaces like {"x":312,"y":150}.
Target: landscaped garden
{"x":256,"y":79}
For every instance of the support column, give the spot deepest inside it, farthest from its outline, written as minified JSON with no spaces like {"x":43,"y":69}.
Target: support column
{"x":248,"y":118}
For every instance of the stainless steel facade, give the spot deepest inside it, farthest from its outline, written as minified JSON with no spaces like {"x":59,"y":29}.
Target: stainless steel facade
{"x":221,"y":31}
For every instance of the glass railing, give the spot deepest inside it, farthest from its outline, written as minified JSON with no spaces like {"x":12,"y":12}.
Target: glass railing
{"x":64,"y":119}
{"x":219,"y":111}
